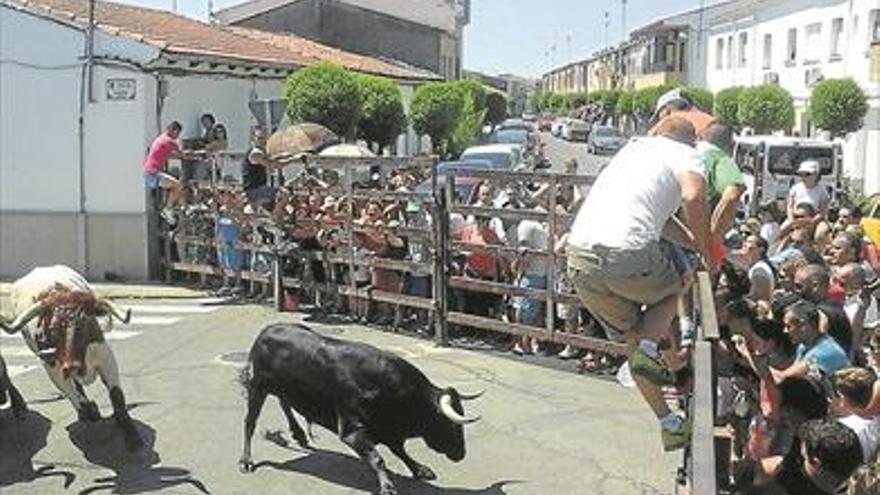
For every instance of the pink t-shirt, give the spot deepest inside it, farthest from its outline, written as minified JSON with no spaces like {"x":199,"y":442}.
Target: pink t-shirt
{"x":160,"y":150}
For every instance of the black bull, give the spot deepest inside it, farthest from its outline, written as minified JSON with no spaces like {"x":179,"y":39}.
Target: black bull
{"x":365,"y":395}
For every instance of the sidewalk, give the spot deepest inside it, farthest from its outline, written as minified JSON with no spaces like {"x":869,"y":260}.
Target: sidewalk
{"x":132,"y":291}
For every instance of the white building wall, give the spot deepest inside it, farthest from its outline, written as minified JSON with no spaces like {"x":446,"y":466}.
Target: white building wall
{"x":776,"y":18}
{"x":227,"y":98}
{"x":39,"y":96}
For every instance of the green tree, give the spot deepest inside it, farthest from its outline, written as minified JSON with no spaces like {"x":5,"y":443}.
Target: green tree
{"x":609,"y":100}
{"x":538,"y":101}
{"x":701,"y":98}
{"x":838,"y":106}
{"x":766,"y":108}
{"x":474,"y":90}
{"x":436,"y":109}
{"x":727,"y":106}
{"x":467,"y":128}
{"x":496,"y":108}
{"x":625,"y":104}
{"x":579,"y":99}
{"x":382,"y":115}
{"x":325,"y":94}
{"x":556,"y":102}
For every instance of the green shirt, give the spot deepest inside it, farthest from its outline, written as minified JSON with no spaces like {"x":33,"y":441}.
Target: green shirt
{"x":720,"y":170}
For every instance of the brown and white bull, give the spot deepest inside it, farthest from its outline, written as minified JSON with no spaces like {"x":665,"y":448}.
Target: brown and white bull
{"x":57,"y":313}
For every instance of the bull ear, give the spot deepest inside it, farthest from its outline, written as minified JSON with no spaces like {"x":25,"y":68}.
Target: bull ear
{"x":448,"y":411}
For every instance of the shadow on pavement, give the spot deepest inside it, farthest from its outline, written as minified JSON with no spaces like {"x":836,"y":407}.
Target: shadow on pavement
{"x":348,"y":471}
{"x":20,"y":440}
{"x":102,"y":443}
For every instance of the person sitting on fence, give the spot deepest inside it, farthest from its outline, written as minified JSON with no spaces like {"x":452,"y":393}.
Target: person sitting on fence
{"x":530,"y":272}
{"x":166,"y":146}
{"x":616,"y":262}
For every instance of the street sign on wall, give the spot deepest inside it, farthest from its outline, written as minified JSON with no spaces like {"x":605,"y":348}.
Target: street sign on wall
{"x":121,"y":89}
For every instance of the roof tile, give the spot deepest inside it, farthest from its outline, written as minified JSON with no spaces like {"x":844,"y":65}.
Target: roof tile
{"x":176,"y":34}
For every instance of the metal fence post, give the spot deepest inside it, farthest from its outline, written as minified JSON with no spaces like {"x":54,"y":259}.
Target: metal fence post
{"x":551,"y":252}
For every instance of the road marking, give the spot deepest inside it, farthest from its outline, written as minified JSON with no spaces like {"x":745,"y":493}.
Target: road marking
{"x":172,"y":309}
{"x":153,"y":320}
{"x":114,"y":334}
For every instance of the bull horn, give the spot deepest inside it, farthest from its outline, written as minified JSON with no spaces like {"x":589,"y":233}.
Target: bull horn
{"x":116,"y":311}
{"x":473,"y":396}
{"x":449,"y":412}
{"x":25,"y":317}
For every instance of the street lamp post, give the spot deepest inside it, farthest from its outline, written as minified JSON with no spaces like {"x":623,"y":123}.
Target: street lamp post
{"x":623,"y":19}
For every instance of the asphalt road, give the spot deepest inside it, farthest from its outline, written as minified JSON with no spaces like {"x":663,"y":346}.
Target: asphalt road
{"x":544,"y":431}
{"x":559,"y":150}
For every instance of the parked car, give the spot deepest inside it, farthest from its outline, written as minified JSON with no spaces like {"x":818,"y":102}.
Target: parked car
{"x":529,"y":117}
{"x":558,"y":125}
{"x":502,"y":156}
{"x":605,"y":139}
{"x":518,"y":124}
{"x":511,"y":136}
{"x":770,"y":166}
{"x":576,"y":130}
{"x":465,"y":186}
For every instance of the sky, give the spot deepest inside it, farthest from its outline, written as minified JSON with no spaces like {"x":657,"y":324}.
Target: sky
{"x":518,"y":36}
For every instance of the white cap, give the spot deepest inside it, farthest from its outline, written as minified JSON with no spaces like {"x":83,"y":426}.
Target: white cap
{"x":671,"y":96}
{"x":808,"y":167}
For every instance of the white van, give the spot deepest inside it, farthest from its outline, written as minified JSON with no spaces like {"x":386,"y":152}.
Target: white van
{"x":770,"y":165}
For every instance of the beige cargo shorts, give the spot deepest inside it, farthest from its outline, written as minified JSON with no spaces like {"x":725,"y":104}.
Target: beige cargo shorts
{"x":615,"y":284}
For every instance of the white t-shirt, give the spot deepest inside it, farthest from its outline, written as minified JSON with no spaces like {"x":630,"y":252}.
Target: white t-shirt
{"x":868,"y":431}
{"x":635,"y":195}
{"x":533,"y":235}
{"x":816,"y":195}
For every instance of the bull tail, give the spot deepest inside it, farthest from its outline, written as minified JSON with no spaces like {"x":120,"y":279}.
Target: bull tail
{"x":246,"y":376}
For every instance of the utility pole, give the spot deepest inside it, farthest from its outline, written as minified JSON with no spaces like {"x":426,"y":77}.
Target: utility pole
{"x":607,"y":23}
{"x":174,"y":6}
{"x":211,"y":11}
{"x":623,"y":20}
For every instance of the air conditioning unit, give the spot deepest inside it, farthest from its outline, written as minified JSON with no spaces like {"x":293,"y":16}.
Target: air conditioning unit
{"x":812,"y":76}
{"x":771,"y":77}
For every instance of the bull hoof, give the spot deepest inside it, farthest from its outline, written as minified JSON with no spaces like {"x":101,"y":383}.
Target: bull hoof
{"x":89,"y":412}
{"x":424,"y":473}
{"x":246,"y":466}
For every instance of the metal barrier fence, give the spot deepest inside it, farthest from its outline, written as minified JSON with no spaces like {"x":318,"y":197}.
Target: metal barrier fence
{"x":440,"y":203}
